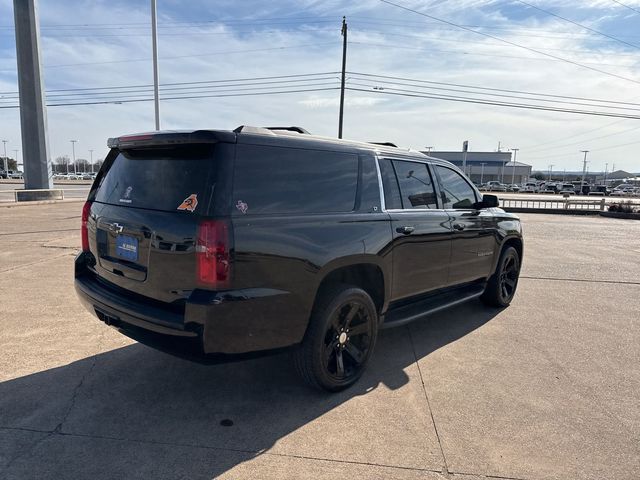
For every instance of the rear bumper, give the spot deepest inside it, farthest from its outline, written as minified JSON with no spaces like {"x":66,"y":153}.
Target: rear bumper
{"x":209,"y":327}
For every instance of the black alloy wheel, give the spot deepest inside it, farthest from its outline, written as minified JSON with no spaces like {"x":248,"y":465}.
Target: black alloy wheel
{"x":509,"y":277}
{"x":347,"y":340}
{"x":502,"y":285}
{"x":340,"y":338}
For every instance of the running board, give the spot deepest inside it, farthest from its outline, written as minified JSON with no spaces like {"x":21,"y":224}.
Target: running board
{"x":408,"y":313}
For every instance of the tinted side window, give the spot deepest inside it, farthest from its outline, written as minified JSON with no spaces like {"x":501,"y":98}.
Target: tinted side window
{"x":415,"y":185}
{"x":290,"y":180}
{"x":390,"y":185}
{"x":455,"y":190}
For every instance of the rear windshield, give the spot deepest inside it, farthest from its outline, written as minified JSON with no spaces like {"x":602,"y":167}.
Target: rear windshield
{"x":176,"y":179}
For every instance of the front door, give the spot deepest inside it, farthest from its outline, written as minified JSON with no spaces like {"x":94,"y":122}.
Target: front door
{"x":473,"y":241}
{"x":421,"y":245}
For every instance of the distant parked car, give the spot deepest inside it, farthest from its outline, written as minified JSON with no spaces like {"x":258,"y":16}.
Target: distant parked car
{"x":16,"y":175}
{"x":567,"y":188}
{"x":550,"y":188}
{"x":495,"y":186}
{"x":530,"y":187}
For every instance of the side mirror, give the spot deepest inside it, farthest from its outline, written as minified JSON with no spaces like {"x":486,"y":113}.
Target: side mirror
{"x":488,"y":201}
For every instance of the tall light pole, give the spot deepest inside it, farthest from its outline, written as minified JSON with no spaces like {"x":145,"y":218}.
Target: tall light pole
{"x":550,"y":170}
{"x":482,"y":172}
{"x":584,"y":168}
{"x":513,"y":172}
{"x":606,"y":167}
{"x":343,"y":32}
{"x":154,"y":42}
{"x":428,"y":150}
{"x":6,"y":170}
{"x":73,"y":153}
{"x":91,"y":157}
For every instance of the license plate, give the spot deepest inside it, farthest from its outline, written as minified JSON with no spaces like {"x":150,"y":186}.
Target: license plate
{"x":127,"y":247}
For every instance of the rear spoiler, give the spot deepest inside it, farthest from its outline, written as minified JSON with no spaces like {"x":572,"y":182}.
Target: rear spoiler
{"x":153,"y":139}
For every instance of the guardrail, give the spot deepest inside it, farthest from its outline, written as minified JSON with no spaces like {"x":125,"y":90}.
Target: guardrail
{"x":564,"y":204}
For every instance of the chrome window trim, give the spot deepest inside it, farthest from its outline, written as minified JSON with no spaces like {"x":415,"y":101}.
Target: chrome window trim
{"x":399,"y":210}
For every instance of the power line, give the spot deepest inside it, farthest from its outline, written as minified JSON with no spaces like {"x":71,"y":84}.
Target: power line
{"x":581,"y":142}
{"x":182,"y":98}
{"x":253,"y":50}
{"x":578,"y":24}
{"x":626,"y":6}
{"x":511,"y":43}
{"x":244,"y":79}
{"x":462,"y":52}
{"x":496,"y":103}
{"x":488,"y":88}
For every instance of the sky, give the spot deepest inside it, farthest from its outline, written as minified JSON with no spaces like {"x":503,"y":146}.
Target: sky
{"x":261,"y":49}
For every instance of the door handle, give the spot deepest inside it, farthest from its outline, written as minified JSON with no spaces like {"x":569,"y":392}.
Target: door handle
{"x":458,"y":226}
{"x":406,"y":230}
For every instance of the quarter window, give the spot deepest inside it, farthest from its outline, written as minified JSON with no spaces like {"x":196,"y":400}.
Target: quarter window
{"x":455,"y":190}
{"x":275,"y":180}
{"x":416,"y":187}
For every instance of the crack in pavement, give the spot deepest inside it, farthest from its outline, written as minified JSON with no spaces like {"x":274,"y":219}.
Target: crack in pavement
{"x":18,"y":267}
{"x":253,"y":452}
{"x":445,"y":467}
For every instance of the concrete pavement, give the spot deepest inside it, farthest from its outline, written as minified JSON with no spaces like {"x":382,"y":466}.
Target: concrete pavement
{"x":545,"y":389}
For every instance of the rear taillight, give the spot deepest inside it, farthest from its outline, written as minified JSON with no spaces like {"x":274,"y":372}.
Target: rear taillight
{"x":83,"y":228}
{"x":212,"y":254}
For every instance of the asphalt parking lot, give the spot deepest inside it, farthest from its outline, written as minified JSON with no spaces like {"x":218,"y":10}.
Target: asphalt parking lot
{"x":548,"y":388}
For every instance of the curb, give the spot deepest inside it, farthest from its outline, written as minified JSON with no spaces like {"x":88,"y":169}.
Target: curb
{"x":555,"y":211}
{"x":627,"y":216}
{"x":40,"y":202}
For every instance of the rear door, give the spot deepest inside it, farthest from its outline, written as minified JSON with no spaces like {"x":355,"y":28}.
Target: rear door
{"x":421,"y":245}
{"x":474,"y":240}
{"x":144,"y":218}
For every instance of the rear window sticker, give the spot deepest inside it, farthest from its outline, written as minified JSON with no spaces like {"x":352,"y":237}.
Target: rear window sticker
{"x":243,"y":207}
{"x":190,"y":203}
{"x":127,"y":195}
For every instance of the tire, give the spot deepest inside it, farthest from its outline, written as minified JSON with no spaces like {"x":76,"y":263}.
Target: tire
{"x":340,"y":338}
{"x":503,"y":283}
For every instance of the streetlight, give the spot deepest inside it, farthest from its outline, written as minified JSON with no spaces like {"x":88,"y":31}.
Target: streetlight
{"x":6,"y":169}
{"x":482,"y":172}
{"x":513,"y":172}
{"x":91,"y":156}
{"x":550,"y":170}
{"x":428,"y":150}
{"x":606,"y":167}
{"x":73,"y":153}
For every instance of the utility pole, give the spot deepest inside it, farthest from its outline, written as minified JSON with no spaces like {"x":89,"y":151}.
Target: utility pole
{"x":6,"y":163}
{"x":584,"y":168}
{"x":91,"y":159}
{"x":465,"y":147}
{"x":606,"y":167}
{"x":482,"y":172}
{"x":564,"y":175}
{"x":550,"y":170}
{"x":154,"y":39}
{"x":344,"y":69}
{"x":73,"y":153}
{"x":513,"y":171}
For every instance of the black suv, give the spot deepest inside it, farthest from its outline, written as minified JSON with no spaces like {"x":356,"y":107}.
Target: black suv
{"x":212,"y":243}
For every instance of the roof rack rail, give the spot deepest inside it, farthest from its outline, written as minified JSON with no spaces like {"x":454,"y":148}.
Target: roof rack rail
{"x":386,"y":144}
{"x":250,"y":129}
{"x":290,"y":129}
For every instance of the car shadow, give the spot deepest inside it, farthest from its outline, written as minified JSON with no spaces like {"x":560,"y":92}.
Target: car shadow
{"x":136,"y":412}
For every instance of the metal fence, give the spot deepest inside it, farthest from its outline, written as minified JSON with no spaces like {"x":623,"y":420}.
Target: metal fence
{"x":544,"y":204}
